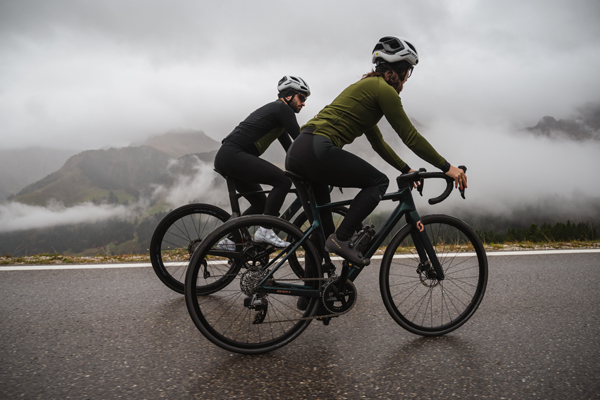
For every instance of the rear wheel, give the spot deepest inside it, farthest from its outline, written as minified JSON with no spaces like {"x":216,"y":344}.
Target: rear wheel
{"x":247,"y":316}
{"x":413,"y":296}
{"x":175,"y":239}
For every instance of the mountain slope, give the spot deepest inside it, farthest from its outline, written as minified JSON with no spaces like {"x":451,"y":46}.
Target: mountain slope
{"x":120,"y":175}
{"x":93,"y":174}
{"x":585,"y":125}
{"x":179,"y":142}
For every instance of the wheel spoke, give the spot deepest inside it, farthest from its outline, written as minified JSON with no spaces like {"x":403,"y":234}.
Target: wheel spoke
{"x":421,"y":303}
{"x":242,"y":317}
{"x":175,"y":239}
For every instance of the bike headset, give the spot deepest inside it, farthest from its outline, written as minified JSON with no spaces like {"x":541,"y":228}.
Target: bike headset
{"x":290,"y":85}
{"x":395,"y":52}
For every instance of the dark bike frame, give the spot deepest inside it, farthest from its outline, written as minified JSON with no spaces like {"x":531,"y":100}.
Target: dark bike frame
{"x":406,"y":207}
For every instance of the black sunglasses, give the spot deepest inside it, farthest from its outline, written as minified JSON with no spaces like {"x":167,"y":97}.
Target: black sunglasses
{"x":301,"y":98}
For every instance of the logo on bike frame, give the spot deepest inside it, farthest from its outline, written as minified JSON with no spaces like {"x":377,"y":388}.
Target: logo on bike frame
{"x":420,"y":226}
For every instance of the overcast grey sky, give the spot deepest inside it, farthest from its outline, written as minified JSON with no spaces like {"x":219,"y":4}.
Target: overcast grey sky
{"x":88,"y":74}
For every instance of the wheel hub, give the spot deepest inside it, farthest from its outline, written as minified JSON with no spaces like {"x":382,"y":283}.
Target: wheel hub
{"x":255,"y":256}
{"x":427,"y":275}
{"x":250,"y":279}
{"x":193,"y":246}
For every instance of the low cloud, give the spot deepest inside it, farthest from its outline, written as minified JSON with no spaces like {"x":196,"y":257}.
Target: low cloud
{"x":203,"y":185}
{"x":513,"y":175}
{"x":17,"y":216}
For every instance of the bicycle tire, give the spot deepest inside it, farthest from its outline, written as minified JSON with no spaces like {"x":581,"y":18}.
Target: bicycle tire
{"x":228,"y":318}
{"x":429,"y":307}
{"x":175,"y":239}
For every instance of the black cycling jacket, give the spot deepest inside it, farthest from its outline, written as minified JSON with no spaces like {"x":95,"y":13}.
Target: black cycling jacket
{"x":271,"y":121}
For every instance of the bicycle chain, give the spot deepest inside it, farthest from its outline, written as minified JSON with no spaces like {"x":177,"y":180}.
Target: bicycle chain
{"x":307,"y":318}
{"x":331,"y":279}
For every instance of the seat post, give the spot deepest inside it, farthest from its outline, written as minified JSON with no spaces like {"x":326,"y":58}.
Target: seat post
{"x":311,"y":210}
{"x":303,"y":184}
{"x":233,"y":195}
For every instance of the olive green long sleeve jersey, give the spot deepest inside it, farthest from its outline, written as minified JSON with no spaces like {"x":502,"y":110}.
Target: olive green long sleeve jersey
{"x":358,"y":109}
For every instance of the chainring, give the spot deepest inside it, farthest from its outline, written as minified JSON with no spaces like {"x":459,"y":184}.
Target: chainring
{"x":336,"y":301}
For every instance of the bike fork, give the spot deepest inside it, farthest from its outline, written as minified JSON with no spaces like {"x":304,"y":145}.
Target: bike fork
{"x":423,"y":245}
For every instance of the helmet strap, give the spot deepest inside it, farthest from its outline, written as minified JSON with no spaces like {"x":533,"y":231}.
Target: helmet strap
{"x":286,"y":93}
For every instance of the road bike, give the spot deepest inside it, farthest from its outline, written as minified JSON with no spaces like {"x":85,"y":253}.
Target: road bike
{"x":433,"y":274}
{"x":179,"y":233}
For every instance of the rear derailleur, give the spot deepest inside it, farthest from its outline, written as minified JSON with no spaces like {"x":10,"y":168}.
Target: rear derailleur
{"x":258,"y":303}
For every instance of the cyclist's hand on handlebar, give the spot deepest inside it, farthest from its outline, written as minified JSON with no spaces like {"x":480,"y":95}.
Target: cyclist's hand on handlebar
{"x":417,"y":183}
{"x":459,"y":176}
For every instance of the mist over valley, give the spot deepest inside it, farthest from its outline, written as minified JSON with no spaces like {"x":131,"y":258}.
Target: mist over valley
{"x":513,"y":182}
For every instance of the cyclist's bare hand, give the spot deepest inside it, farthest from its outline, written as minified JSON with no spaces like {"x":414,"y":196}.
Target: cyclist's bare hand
{"x":417,"y":183}
{"x":459,"y":176}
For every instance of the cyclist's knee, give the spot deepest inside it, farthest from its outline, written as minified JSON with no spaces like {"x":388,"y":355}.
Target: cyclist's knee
{"x":284,"y":183}
{"x":381,"y":183}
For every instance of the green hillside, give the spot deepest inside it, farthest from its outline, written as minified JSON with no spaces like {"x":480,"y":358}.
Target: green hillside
{"x":94,"y":174}
{"x":121,"y":175}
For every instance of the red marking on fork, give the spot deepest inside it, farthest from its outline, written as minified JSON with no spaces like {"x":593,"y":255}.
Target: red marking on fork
{"x":420,"y":226}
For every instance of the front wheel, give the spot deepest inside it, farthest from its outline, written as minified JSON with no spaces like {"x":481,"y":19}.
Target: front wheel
{"x":418,"y":301}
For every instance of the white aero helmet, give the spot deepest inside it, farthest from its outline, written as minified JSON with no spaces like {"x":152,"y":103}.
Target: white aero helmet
{"x":394,"y":49}
{"x":293,"y":83}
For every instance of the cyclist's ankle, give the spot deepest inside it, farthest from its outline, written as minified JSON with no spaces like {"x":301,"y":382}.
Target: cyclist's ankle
{"x":340,"y":236}
{"x":344,"y":249}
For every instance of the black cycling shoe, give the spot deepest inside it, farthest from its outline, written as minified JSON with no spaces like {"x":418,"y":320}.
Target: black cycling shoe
{"x":343,"y":249}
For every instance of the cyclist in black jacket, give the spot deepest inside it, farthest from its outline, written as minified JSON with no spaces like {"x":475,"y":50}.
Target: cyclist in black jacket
{"x":239,"y":155}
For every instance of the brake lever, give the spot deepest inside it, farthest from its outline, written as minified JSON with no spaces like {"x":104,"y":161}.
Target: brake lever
{"x":462,"y":191}
{"x":421,"y":183}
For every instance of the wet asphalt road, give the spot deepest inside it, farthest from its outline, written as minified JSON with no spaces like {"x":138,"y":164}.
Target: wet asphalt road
{"x":119,"y":333}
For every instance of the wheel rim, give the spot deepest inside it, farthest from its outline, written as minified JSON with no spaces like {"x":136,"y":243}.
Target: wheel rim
{"x":238,"y":318}
{"x":427,"y":306}
{"x":175,"y":240}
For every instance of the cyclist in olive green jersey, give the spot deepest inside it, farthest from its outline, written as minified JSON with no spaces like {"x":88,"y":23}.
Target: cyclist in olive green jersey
{"x":317,"y":153}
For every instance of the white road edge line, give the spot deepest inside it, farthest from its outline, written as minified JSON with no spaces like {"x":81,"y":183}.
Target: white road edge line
{"x":377,"y":257}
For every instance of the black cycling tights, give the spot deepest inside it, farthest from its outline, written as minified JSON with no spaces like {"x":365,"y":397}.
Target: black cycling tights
{"x":248,"y":171}
{"x":318,"y":159}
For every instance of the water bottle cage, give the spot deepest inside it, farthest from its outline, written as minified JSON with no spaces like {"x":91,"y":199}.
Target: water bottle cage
{"x":363,"y":237}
